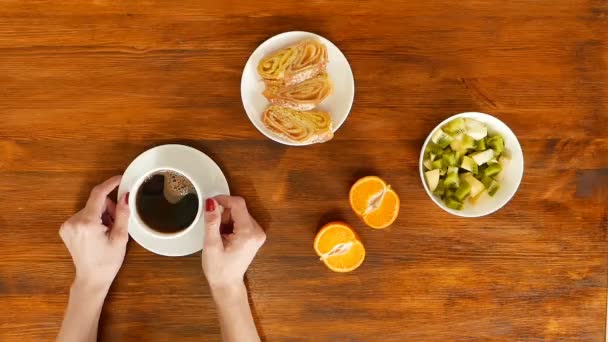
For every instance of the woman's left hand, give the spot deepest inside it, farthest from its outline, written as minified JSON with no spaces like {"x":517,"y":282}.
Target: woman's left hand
{"x":97,"y":236}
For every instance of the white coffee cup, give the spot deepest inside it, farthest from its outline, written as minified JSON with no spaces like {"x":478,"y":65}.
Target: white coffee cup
{"x":201,"y":171}
{"x":151,"y":231}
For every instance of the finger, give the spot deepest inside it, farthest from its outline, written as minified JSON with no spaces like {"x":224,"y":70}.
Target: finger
{"x":107,"y":220}
{"x":260,"y":234}
{"x":110,"y":208}
{"x":120,"y":229}
{"x":226,"y":217}
{"x":257,"y":228}
{"x":97,"y":199}
{"x":213,"y":220}
{"x":237,"y":207}
{"x":229,"y":240}
{"x":226,"y":229}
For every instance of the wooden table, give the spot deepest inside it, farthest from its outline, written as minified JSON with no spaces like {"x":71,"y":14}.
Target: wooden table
{"x":86,"y":87}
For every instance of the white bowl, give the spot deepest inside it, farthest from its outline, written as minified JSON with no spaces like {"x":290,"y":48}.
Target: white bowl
{"x":338,"y":104}
{"x":512,"y":174}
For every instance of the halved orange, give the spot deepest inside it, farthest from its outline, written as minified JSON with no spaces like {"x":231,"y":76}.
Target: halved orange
{"x":339,"y":247}
{"x":374,"y":202}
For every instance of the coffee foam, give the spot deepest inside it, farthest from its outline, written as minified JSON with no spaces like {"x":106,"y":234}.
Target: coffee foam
{"x":176,"y":186}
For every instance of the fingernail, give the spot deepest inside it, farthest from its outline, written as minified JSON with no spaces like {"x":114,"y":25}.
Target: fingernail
{"x":127,"y":197}
{"x":209,"y":204}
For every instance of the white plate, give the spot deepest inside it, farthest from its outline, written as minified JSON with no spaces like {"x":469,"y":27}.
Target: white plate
{"x":338,"y":103}
{"x":513,"y":172}
{"x":201,"y":170}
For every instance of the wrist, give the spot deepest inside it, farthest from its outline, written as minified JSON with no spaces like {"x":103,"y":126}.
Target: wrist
{"x":89,"y":288}
{"x":228,"y":293}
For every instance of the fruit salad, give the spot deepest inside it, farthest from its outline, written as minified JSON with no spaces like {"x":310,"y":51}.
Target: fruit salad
{"x":462,"y":162}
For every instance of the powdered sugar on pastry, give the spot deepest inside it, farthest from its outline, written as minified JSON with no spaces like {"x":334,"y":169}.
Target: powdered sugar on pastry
{"x":300,"y":96}
{"x":303,"y":127}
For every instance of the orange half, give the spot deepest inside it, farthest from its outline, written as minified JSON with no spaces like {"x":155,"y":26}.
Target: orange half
{"x":374,"y":202}
{"x":339,"y":247}
{"x":363,"y":192}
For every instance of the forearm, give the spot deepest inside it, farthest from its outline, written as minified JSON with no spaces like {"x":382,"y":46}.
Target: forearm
{"x":234,"y":313}
{"x":82,"y":314}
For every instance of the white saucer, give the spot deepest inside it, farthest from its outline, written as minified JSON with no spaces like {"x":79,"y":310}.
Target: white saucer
{"x":338,"y":103}
{"x":201,"y":169}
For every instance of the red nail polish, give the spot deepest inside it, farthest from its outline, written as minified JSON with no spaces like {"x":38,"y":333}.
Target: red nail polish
{"x":127,"y":198}
{"x":209,"y":204}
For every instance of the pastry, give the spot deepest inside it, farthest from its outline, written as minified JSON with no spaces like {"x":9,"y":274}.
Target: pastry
{"x":272,"y":68}
{"x":310,"y":60}
{"x":298,"y":126}
{"x":300,"y":96}
{"x":295,"y":63}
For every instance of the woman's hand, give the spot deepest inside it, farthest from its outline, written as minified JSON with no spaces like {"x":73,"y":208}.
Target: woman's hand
{"x":226,"y":257}
{"x":97,"y":236}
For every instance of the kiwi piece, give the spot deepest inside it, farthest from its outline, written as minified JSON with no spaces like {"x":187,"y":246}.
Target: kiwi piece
{"x":436,"y":164}
{"x":481,"y":145}
{"x":486,"y":181}
{"x":463,"y":191}
{"x":492,"y":169}
{"x":453,"y":204}
{"x":455,"y":126}
{"x":494,"y":186}
{"x":449,"y":193}
{"x":468,"y":142}
{"x":452,"y":180}
{"x":441,"y":138}
{"x":497,"y":144}
{"x":450,"y":159}
{"x":434,"y":148}
{"x":459,"y":156}
{"x":469,"y":164}
{"x":480,"y":169}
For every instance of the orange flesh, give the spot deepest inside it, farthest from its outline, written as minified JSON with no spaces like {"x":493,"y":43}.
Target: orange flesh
{"x":374,"y":201}
{"x":364,"y":191}
{"x":386,"y":213}
{"x":348,"y":261}
{"x":339,"y":247}
{"x":331,"y":235}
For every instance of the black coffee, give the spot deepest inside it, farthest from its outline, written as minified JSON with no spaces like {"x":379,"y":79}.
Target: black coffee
{"x":167,"y":202}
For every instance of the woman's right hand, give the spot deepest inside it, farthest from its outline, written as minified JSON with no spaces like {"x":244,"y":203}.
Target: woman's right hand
{"x":226,"y":257}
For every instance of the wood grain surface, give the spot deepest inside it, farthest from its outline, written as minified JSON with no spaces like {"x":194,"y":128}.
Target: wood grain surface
{"x":85,"y":86}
